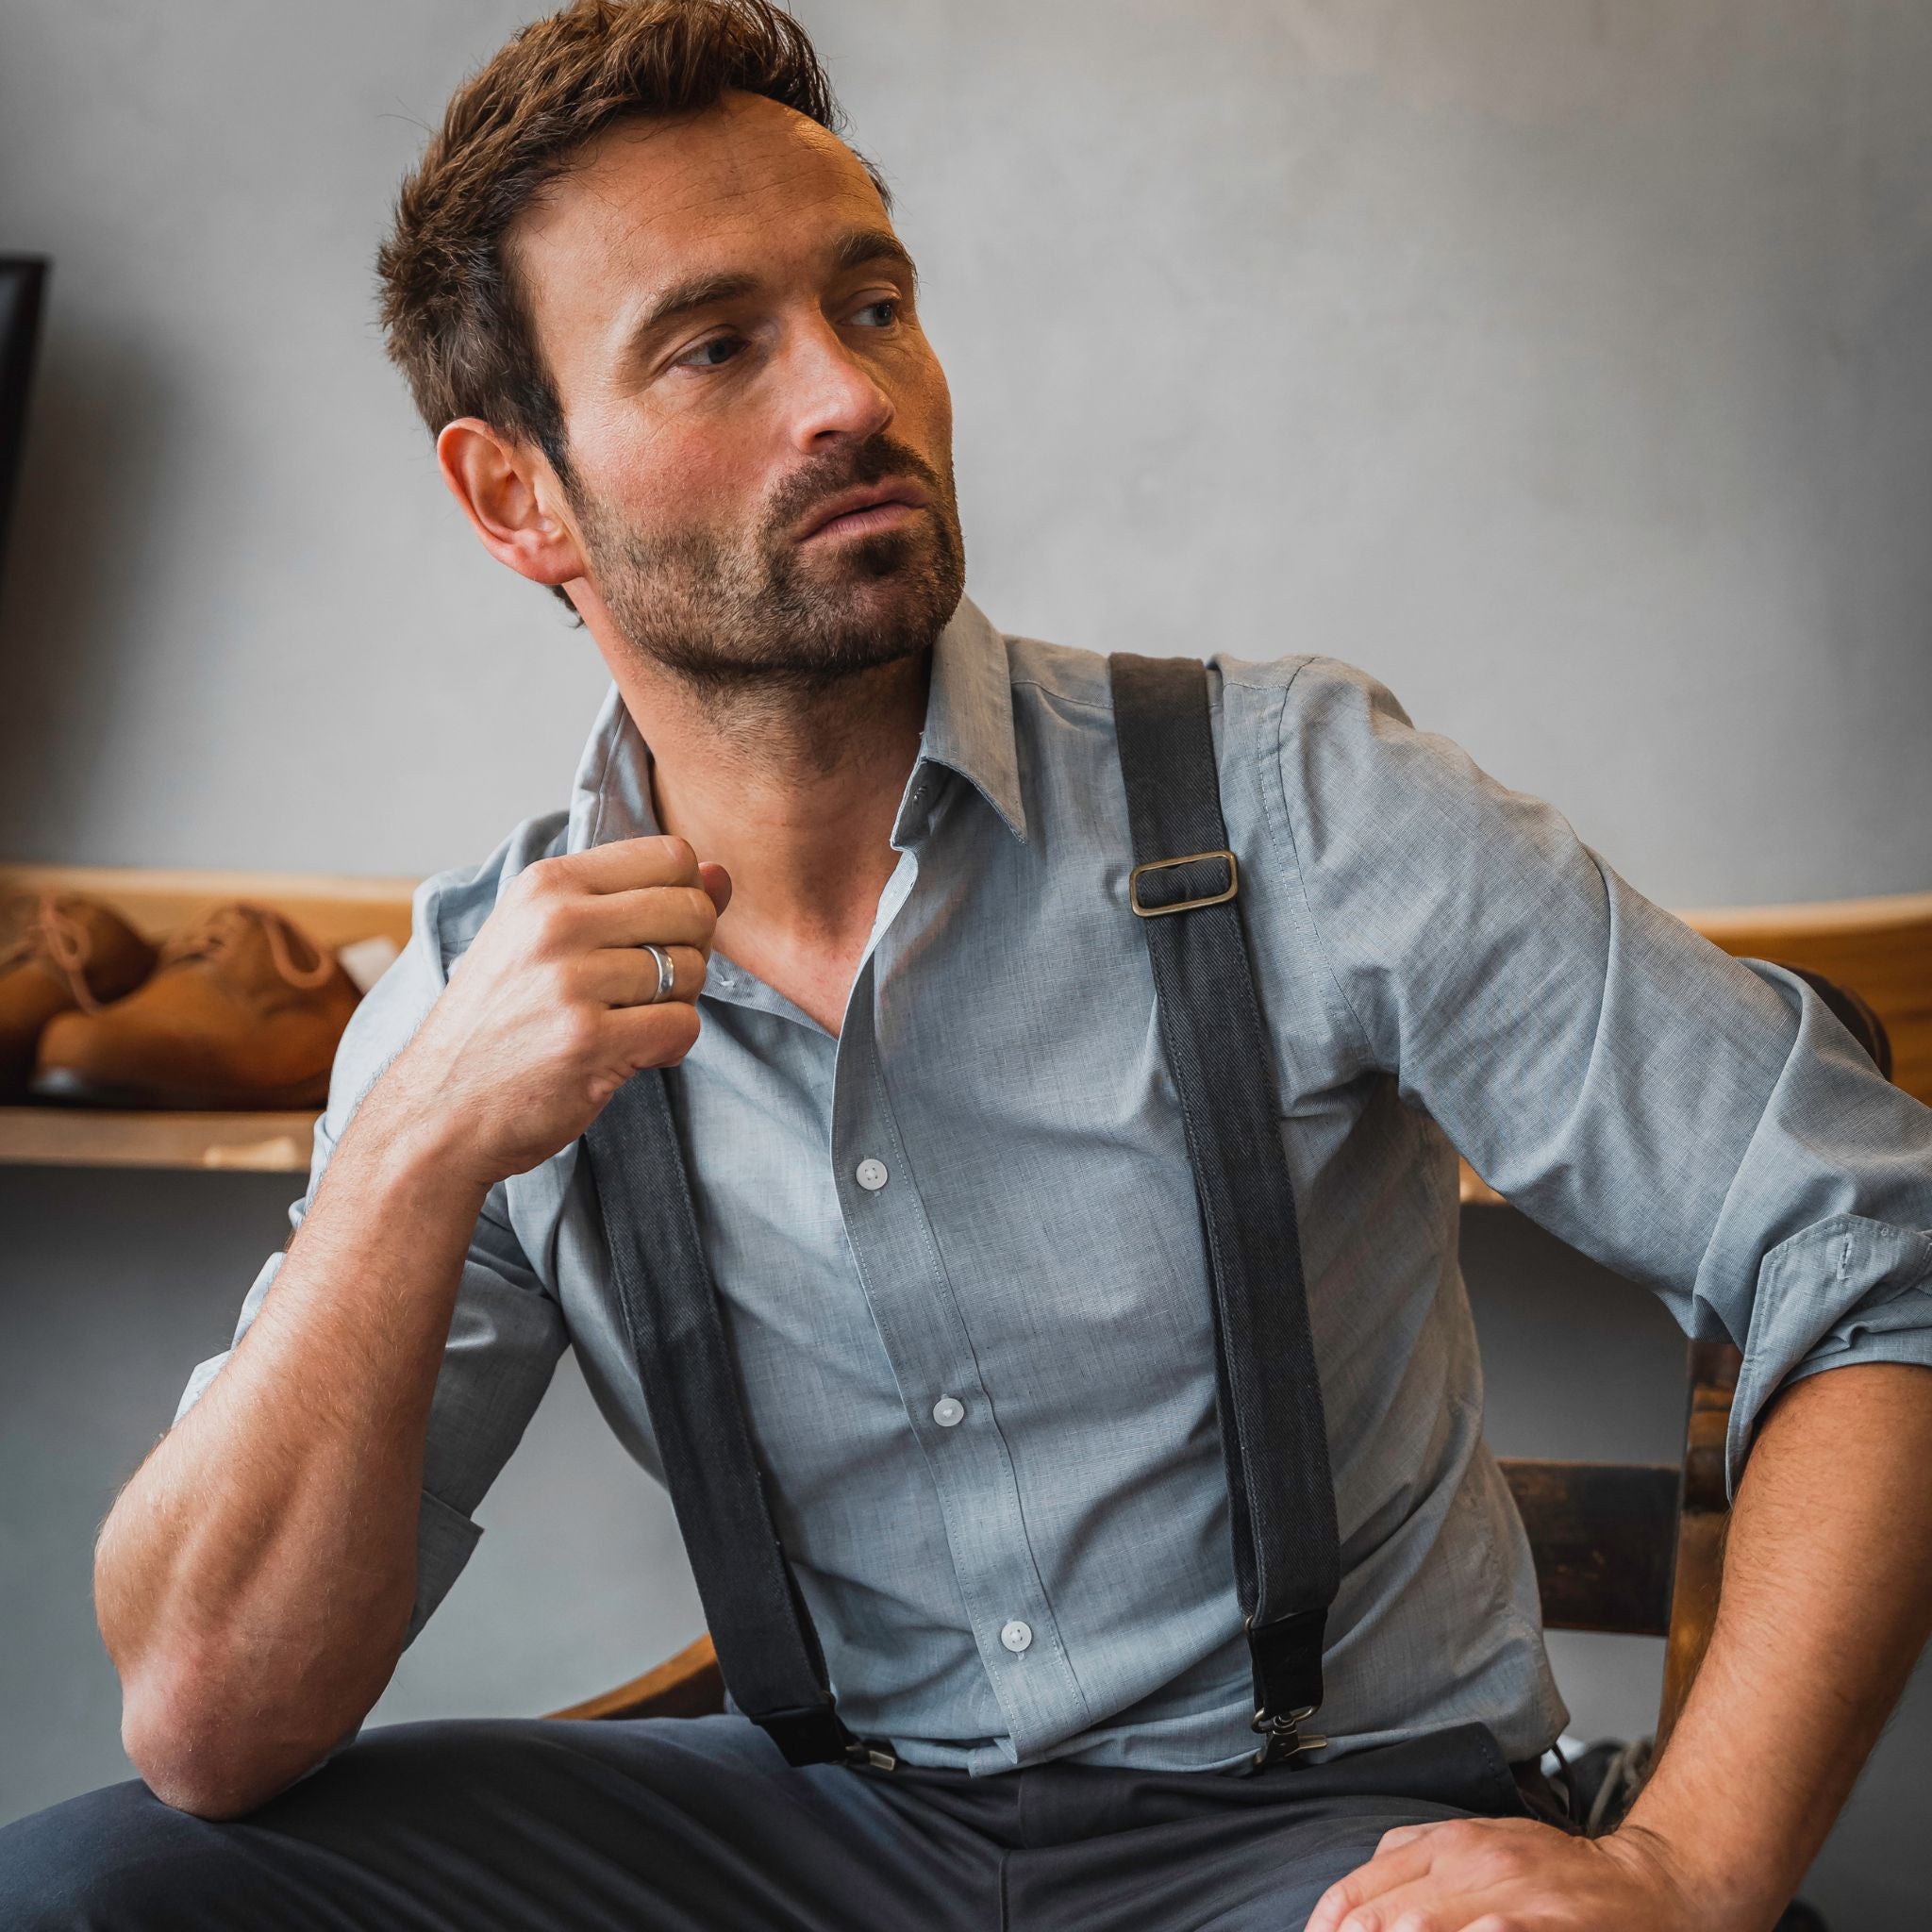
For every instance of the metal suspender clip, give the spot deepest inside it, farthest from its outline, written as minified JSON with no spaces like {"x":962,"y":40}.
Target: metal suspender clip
{"x":1181,"y":905}
{"x":1283,"y":1732}
{"x":877,"y":1756}
{"x":1282,"y":1728}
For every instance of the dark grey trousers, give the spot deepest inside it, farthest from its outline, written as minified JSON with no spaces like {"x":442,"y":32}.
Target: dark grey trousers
{"x":548,"y":1824}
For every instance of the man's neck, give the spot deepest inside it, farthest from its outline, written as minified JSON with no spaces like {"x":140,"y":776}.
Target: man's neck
{"x":794,"y":796}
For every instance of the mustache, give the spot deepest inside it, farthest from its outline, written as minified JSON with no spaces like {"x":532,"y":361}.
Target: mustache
{"x":879,"y":461}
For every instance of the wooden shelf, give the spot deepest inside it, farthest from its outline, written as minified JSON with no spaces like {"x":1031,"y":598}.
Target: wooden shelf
{"x":99,"y":1136}
{"x":336,"y":911}
{"x":156,"y":902}
{"x":1882,"y":947}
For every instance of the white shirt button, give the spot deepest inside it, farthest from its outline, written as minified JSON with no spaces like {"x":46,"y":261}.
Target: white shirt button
{"x":1016,"y":1635}
{"x":870,"y":1173}
{"x":947,"y":1412}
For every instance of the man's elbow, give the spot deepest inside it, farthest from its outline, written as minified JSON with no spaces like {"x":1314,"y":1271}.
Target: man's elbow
{"x":195,"y":1758}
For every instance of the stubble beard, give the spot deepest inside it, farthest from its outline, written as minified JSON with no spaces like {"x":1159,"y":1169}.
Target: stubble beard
{"x":743,"y":623}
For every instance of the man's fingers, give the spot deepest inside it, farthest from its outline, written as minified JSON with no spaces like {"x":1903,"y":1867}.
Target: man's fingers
{"x":1399,"y":1835}
{"x":1371,"y":1882}
{"x":653,"y":1036}
{"x":657,"y":858}
{"x":627,"y":975}
{"x":1421,"y":1906}
{"x":630,"y":891}
{"x":680,"y":915}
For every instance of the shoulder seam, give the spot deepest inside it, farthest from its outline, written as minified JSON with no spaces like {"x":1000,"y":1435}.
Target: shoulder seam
{"x":1304,"y":658}
{"x":1066,"y":697}
{"x":1287,"y":837}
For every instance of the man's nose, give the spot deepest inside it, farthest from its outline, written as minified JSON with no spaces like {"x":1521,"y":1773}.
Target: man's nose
{"x":835,"y":392}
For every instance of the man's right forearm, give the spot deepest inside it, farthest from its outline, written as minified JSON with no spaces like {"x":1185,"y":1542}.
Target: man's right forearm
{"x":256,"y":1576}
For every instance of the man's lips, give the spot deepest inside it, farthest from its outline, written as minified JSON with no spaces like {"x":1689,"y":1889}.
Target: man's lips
{"x":857,"y":512}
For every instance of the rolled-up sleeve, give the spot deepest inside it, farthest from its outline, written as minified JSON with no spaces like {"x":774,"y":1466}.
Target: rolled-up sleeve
{"x":1701,"y":1124}
{"x":506,"y":1330}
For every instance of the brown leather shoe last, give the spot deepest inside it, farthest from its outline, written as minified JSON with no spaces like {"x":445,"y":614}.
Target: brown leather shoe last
{"x":244,"y":1010}
{"x":67,"y":953}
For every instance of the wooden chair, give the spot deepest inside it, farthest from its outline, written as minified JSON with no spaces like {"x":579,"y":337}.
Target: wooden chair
{"x":1627,"y":1548}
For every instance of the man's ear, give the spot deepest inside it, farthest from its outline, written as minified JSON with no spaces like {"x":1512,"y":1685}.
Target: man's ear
{"x":512,"y":499}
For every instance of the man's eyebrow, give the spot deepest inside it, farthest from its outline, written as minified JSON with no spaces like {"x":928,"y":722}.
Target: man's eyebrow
{"x":857,"y":246}
{"x":853,"y":249}
{"x":694,"y":292}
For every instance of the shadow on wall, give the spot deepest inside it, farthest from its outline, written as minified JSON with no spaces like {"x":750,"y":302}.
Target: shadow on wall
{"x":100,"y":416}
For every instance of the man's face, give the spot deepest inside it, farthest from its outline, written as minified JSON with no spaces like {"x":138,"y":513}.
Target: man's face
{"x":731,"y":327}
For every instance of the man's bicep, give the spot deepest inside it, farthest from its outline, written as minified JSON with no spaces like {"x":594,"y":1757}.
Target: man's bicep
{"x":1593,"y":1060}
{"x":1701,"y":1124}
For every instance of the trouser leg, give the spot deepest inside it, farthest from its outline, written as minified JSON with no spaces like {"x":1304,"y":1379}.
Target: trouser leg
{"x":515,"y":1825}
{"x":1110,"y":1849}
{"x":1246,"y":1871}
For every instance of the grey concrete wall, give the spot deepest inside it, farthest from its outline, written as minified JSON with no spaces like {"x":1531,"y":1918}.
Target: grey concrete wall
{"x":1567,"y":364}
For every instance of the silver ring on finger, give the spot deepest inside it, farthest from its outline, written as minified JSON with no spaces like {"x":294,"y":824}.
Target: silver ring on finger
{"x":667,"y":974}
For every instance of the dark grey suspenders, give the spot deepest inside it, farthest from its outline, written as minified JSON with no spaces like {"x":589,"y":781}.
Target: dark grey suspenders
{"x":1185,"y":887}
{"x":768,"y":1651}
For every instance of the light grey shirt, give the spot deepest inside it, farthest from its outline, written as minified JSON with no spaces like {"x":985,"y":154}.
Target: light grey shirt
{"x":961,"y":1262}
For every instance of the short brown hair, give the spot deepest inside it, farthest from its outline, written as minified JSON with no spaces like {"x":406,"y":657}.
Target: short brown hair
{"x":457,"y":325}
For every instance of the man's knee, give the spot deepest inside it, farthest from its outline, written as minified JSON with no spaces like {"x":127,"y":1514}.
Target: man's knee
{"x":115,"y":1860}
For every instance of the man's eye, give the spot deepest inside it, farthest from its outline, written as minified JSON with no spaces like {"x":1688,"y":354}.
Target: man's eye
{"x":890,"y":302}
{"x":704,"y":350}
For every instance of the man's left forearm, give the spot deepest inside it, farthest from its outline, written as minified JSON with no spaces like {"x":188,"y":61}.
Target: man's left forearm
{"x":1827,"y":1597}
{"x":1826,"y":1604}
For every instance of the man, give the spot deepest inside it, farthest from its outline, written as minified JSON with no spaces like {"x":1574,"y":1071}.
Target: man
{"x":655,"y":313}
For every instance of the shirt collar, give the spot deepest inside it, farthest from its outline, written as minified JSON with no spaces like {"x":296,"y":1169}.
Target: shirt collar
{"x":969,"y":728}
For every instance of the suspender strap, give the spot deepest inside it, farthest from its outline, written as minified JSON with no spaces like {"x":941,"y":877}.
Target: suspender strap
{"x":1185,"y":888}
{"x":768,"y":1651}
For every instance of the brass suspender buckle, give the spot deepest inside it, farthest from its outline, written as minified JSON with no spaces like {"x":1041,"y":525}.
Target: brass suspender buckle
{"x":1181,"y":905}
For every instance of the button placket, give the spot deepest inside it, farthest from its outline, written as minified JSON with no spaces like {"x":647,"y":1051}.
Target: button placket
{"x":920,"y":1325}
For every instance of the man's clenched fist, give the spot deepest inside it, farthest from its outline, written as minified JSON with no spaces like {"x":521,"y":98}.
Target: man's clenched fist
{"x":544,"y":1017}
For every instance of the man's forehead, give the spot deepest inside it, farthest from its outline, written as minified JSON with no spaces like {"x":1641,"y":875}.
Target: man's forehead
{"x":649,"y":189}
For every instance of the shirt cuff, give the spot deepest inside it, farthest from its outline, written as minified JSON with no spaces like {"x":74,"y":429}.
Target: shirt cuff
{"x":1843,"y":1291}
{"x":445,"y":1539}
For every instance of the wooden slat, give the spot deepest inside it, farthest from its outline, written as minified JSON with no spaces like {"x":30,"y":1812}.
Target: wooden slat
{"x":687,"y":1685}
{"x":1602,"y":1534}
{"x":1880,"y":948}
{"x":336,"y":909}
{"x":1477,"y":1192}
{"x":1701,"y":1528}
{"x":50,"y":1136}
